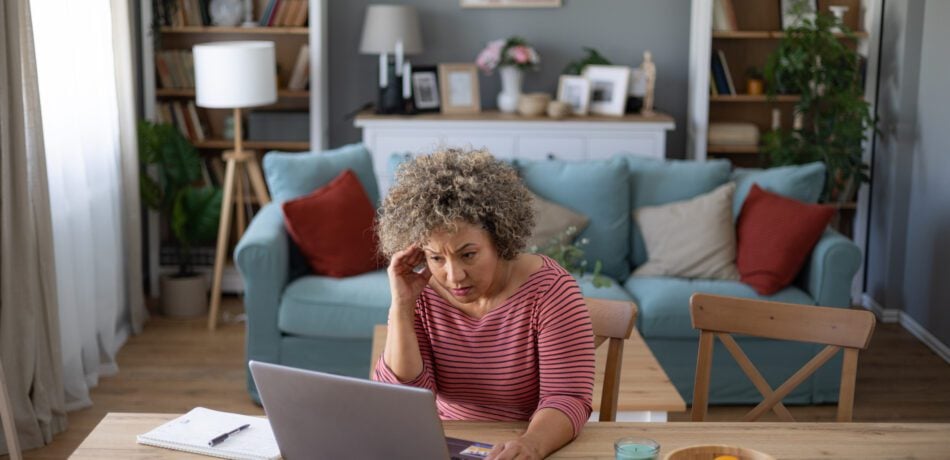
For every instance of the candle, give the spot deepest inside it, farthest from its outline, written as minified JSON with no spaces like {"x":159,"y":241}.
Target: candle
{"x":406,"y":77}
{"x":383,"y":70}
{"x":399,"y":57}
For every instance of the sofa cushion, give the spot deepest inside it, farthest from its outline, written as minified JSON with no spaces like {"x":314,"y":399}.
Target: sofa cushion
{"x":614,"y":291}
{"x":801,"y":182}
{"x":292,"y":175}
{"x":776,"y":235}
{"x":694,"y":238}
{"x":664,"y":302}
{"x":552,"y":222}
{"x":319,"y":306}
{"x":655,"y":182}
{"x":599,"y":189}
{"x":333,"y":227}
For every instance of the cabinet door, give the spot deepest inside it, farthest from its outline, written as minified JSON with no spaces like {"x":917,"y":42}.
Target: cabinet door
{"x":552,"y":147}
{"x":501,"y":146}
{"x":647,"y":145}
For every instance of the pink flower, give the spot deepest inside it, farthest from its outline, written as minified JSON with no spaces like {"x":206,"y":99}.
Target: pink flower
{"x":490,"y":57}
{"x":520,"y":54}
{"x":512,"y":51}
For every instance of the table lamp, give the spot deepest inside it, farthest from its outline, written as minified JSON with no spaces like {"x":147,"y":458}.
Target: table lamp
{"x":234,"y":75}
{"x":391,"y":29}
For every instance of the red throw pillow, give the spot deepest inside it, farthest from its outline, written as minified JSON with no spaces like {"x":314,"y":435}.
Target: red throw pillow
{"x":333,"y":226}
{"x":775,"y":234}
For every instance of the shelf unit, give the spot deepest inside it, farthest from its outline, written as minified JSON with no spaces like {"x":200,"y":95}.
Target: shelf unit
{"x":287,"y":41}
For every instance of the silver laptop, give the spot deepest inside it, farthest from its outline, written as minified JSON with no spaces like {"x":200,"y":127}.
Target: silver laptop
{"x":323,"y":416}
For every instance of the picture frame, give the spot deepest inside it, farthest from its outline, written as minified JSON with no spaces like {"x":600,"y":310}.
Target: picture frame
{"x":609,"y":86}
{"x":575,"y":91}
{"x":510,"y":3}
{"x":425,"y":89}
{"x":459,"y":88}
{"x":790,"y":20}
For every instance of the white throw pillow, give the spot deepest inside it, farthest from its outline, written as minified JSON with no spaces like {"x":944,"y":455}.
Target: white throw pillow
{"x":552,"y":221}
{"x":694,"y":238}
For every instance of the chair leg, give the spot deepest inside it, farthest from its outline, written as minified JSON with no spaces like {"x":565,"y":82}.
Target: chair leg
{"x":703,"y":368}
{"x":6,"y":417}
{"x":849,"y":370}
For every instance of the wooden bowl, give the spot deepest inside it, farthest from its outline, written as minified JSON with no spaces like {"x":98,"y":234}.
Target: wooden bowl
{"x":710,"y":452}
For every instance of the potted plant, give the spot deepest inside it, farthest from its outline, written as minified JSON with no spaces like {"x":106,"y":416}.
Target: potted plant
{"x":832,"y":118}
{"x":191,"y":211}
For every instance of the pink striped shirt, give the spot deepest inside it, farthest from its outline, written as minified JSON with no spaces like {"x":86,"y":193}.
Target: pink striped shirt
{"x":533,"y":351}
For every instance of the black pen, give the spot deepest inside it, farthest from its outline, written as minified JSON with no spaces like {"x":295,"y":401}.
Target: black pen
{"x":220,"y":439}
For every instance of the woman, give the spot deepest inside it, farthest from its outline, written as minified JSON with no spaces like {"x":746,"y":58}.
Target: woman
{"x":495,"y":333}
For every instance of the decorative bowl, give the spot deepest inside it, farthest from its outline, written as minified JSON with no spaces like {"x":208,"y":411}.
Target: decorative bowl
{"x":558,"y":109}
{"x":533,"y":104}
{"x":711,"y":452}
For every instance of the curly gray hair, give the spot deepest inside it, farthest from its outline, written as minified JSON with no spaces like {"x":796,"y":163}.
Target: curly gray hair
{"x":435,"y":192}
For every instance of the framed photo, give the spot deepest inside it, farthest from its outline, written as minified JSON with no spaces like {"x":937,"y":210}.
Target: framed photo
{"x":425,"y":88}
{"x":459,"y":85}
{"x":609,"y":85}
{"x":510,"y":3}
{"x":575,"y":91}
{"x":789,"y":19}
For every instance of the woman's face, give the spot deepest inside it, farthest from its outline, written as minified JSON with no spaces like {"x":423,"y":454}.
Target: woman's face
{"x":465,"y":263}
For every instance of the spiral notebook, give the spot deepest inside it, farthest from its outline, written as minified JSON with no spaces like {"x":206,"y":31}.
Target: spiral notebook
{"x":192,"y":432}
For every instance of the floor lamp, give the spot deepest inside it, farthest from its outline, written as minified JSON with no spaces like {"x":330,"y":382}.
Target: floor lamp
{"x":234,"y":75}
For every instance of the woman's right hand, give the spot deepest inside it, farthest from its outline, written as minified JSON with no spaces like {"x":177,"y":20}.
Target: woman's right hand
{"x":405,"y":284}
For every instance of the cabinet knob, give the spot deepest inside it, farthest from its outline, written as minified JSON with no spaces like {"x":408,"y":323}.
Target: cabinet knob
{"x":551,"y":156}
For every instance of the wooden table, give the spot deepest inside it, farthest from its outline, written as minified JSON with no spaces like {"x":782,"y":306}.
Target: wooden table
{"x":646,"y":393}
{"x":114,"y":438}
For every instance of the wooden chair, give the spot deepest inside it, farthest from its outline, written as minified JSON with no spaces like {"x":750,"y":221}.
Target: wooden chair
{"x":6,"y":419}
{"x":612,"y":320}
{"x":720,"y":316}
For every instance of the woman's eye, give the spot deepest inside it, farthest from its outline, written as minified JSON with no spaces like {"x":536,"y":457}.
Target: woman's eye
{"x":435,"y":258}
{"x":468,"y":255}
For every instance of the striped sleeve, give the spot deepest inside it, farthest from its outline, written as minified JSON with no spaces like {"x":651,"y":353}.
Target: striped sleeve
{"x":565,"y":351}
{"x":426,"y":378}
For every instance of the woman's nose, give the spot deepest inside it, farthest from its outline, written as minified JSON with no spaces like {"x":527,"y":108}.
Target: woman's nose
{"x":454,"y":273}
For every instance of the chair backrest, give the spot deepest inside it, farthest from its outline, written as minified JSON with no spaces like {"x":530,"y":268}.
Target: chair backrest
{"x":837,"y":328}
{"x":612,"y":321}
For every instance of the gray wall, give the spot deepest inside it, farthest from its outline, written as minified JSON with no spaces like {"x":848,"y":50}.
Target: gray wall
{"x":619,"y":29}
{"x":908,"y":264}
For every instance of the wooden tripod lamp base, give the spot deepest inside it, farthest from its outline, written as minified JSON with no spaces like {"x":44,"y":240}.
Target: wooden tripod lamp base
{"x":237,"y":163}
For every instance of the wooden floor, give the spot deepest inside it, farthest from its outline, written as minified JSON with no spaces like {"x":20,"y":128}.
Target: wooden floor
{"x":175,"y":365}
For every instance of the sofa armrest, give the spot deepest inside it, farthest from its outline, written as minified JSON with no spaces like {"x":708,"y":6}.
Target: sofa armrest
{"x":828,"y":273}
{"x":262,"y":257}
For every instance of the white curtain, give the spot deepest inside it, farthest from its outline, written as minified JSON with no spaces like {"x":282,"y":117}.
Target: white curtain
{"x":88,"y":125}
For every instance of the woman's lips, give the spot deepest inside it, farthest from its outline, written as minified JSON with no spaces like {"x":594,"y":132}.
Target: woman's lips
{"x":461,"y":291}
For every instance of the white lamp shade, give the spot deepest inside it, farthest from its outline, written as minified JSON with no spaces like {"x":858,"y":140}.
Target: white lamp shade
{"x":230,"y":75}
{"x":385,"y":24}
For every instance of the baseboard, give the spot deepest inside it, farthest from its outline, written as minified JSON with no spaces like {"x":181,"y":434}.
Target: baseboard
{"x":885,"y":315}
{"x":912,"y":326}
{"x":891,"y":315}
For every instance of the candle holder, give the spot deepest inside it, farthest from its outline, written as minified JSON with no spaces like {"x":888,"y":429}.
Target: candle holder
{"x":389,"y":98}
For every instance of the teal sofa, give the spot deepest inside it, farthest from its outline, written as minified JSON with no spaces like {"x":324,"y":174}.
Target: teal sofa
{"x":298,"y":319}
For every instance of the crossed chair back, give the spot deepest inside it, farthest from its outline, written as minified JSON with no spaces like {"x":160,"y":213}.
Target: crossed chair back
{"x":837,"y":328}
{"x":612,"y":321}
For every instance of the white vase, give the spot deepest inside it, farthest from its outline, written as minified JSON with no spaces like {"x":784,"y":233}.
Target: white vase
{"x":511,"y":77}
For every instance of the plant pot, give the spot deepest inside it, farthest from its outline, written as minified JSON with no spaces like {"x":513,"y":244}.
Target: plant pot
{"x":184,"y":297}
{"x":511,"y":78}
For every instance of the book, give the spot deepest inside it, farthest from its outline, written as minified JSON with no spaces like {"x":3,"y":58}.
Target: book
{"x":301,"y":19}
{"x":719,"y":76}
{"x":725,"y":69}
{"x":301,"y":72}
{"x":193,"y":431}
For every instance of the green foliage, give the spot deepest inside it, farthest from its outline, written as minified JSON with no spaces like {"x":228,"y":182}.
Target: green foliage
{"x":593,"y":57}
{"x":193,"y":211}
{"x":571,"y":256}
{"x":812,"y":62}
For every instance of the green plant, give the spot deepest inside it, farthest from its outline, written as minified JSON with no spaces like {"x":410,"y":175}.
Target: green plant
{"x":593,"y":57}
{"x":571,"y":256}
{"x":812,"y":62}
{"x":192,"y":211}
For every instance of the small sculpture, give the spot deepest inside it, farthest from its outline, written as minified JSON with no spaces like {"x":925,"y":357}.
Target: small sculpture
{"x":648,"y":70}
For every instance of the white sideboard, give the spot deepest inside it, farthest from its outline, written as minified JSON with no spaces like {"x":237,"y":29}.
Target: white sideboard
{"x":512,"y":136}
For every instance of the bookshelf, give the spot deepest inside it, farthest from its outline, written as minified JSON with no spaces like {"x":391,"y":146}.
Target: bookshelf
{"x":167,"y":89}
{"x":757,"y":33}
